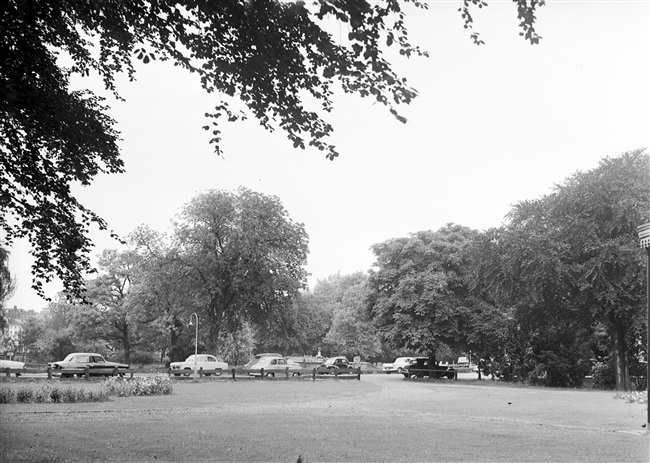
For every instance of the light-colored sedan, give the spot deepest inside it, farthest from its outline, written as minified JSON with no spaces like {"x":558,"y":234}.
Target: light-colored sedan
{"x":272,"y":366}
{"x":210,"y":364}
{"x":12,"y":365}
{"x":397,"y":366}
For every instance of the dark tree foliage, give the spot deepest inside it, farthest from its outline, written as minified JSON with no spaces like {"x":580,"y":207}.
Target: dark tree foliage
{"x":418,"y":296}
{"x":244,"y":258}
{"x":569,"y":264}
{"x":273,"y":56}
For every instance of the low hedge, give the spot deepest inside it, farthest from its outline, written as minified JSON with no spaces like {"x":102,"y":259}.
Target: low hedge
{"x":60,"y":392}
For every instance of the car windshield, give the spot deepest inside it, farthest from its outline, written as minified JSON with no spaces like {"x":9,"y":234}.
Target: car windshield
{"x":69,"y":358}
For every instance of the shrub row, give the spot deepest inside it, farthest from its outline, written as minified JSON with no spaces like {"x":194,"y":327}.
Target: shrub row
{"x":56,"y":392}
{"x":158,"y":384}
{"x":50,"y":393}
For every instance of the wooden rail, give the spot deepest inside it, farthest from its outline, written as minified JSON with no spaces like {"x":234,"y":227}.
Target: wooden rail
{"x":241,"y":373}
{"x":234,"y":373}
{"x":80,"y":372}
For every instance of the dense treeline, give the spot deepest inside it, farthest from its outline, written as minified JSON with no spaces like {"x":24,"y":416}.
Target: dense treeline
{"x":555,"y":293}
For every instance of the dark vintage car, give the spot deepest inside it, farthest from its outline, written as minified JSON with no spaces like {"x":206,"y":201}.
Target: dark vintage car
{"x":76,"y":363}
{"x":336,"y":365}
{"x":419,"y":368}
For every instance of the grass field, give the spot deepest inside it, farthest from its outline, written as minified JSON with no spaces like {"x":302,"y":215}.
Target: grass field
{"x":380,"y":418}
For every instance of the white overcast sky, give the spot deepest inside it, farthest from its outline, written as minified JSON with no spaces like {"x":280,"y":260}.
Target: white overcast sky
{"x":493,"y":125}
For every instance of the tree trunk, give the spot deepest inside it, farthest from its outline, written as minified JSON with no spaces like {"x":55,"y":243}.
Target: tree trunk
{"x":432,"y":364}
{"x":621,"y":369}
{"x":173,"y":341}
{"x":126,"y":342}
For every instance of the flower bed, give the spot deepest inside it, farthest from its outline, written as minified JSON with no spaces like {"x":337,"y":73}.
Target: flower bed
{"x":60,"y":392}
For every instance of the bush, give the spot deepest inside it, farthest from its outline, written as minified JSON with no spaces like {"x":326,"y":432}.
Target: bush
{"x":51,"y":393}
{"x":153,"y":385}
{"x":25,"y":394}
{"x":553,"y":370}
{"x":604,"y":374}
{"x":6,"y":395}
{"x":57,"y":392}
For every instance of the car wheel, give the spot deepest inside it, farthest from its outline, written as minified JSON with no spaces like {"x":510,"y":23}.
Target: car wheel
{"x":217,"y":373}
{"x":80,"y":375}
{"x":177,"y":374}
{"x":270,"y":375}
{"x":295,"y":374}
{"x":187,"y":371}
{"x":399,"y":370}
{"x":65,"y":376}
{"x":207,"y":374}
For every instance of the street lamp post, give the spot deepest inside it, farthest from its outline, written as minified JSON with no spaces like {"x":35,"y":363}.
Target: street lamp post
{"x":196,"y":338}
{"x":644,"y":242}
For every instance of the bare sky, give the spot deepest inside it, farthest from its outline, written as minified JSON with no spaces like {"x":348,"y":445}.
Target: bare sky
{"x":492,"y":126}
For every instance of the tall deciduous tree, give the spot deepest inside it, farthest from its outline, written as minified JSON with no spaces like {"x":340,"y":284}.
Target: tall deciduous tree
{"x":245,"y":259}
{"x":418,"y":293}
{"x":109,"y":319}
{"x":352,"y":332}
{"x":569,"y":261}
{"x":164,"y":295}
{"x":273,"y":56}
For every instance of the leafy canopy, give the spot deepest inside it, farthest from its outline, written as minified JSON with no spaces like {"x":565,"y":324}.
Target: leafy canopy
{"x":275,"y":57}
{"x":418,"y":296}
{"x":244,"y":259}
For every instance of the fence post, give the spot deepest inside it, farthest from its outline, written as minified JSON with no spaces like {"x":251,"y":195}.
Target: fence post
{"x":49,"y":372}
{"x":336,"y":373}
{"x":286,"y":371}
{"x":261,"y":373}
{"x":314,"y":374}
{"x":233,"y":374}
{"x":359,"y":374}
{"x":8,"y":372}
{"x":200,"y":372}
{"x":115,"y":371}
{"x":87,"y":372}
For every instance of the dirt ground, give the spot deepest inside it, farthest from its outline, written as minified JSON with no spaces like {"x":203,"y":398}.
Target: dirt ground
{"x":382,"y":418}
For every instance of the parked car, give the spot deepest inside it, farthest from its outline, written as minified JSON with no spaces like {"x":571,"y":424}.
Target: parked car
{"x":397,"y":366}
{"x":97,"y":365}
{"x":12,"y":365}
{"x":257,"y":357}
{"x":420,"y":368}
{"x":210,"y":364}
{"x":272,"y":366}
{"x":267,"y":354}
{"x":336,"y":364}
